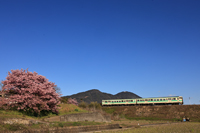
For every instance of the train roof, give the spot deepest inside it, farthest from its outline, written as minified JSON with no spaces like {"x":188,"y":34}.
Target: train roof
{"x":144,"y":98}
{"x":158,"y":97}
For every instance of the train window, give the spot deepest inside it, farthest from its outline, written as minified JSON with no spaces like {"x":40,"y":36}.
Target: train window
{"x":163,"y":99}
{"x":174,"y":98}
{"x":157,"y":99}
{"x":160,"y":99}
{"x":131,"y":100}
{"x":154,"y":99}
{"x":151,"y":99}
{"x":146,"y":99}
{"x":169,"y":98}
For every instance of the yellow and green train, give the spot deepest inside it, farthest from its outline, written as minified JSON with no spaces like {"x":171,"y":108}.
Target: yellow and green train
{"x":173,"y":100}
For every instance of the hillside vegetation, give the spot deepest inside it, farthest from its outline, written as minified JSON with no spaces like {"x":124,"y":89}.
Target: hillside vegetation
{"x":95,"y":95}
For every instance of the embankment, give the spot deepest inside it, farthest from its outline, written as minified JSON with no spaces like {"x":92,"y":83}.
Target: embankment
{"x":156,"y":112}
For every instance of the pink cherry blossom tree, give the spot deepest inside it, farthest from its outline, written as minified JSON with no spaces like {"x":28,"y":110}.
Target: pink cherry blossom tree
{"x":29,"y":92}
{"x":72,"y":101}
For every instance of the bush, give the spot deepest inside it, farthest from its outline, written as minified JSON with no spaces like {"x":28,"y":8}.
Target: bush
{"x":94,"y":105}
{"x":61,"y":125}
{"x":82,"y":105}
{"x":72,"y":101}
{"x":63,"y":100}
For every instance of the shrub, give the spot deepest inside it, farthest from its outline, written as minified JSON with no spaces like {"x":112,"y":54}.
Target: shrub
{"x":82,"y":105}
{"x":63,"y":100}
{"x":72,"y":101}
{"x":94,"y":105}
{"x":61,"y":125}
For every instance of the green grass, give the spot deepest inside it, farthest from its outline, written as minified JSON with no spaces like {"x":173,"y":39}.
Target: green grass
{"x":64,"y":109}
{"x":109,"y":110}
{"x":152,"y":118}
{"x":186,"y":127}
{"x":66,"y":124}
{"x":14,"y":127}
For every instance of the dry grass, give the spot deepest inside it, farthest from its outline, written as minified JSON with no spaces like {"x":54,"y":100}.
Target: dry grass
{"x":133,"y":123}
{"x":69,"y":109}
{"x":187,"y":127}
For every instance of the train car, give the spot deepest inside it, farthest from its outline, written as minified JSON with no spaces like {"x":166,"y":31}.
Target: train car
{"x":173,"y":100}
{"x":118,"y":102}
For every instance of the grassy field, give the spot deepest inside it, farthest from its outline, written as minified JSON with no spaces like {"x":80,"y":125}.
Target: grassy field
{"x":185,"y":127}
{"x":133,"y":124}
{"x":51,"y":118}
{"x":64,"y":109}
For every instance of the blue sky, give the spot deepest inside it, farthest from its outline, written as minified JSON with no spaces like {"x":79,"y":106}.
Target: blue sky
{"x":148,"y":47}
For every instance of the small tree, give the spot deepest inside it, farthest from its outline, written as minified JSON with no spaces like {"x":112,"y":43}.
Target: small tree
{"x":64,"y":100}
{"x":72,"y":101}
{"x":82,"y":104}
{"x":94,"y":105}
{"x":29,"y":92}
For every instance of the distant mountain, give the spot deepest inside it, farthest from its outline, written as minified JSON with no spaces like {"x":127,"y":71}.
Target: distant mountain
{"x":96,"y":95}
